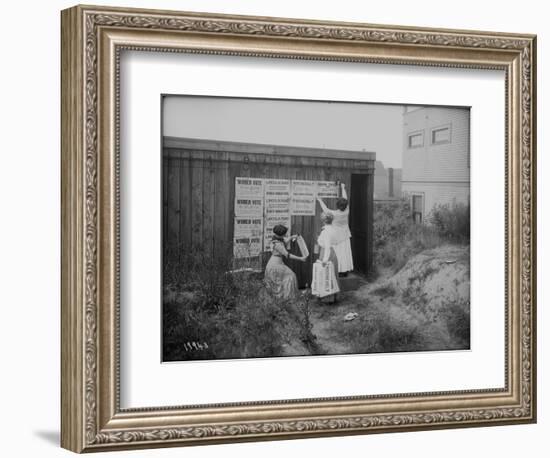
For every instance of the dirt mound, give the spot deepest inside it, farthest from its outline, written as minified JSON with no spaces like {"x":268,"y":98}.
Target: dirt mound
{"x":424,"y":306}
{"x":438,"y":277}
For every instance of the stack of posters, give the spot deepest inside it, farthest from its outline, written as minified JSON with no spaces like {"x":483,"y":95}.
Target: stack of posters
{"x":248,"y":225}
{"x":261,"y":204}
{"x":323,"y":281}
{"x":276,"y":207}
{"x":302,"y":245}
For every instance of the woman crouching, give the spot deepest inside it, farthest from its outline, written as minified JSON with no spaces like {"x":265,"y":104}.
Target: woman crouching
{"x":279,"y":279}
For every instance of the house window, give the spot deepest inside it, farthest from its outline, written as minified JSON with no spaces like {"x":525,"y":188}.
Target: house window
{"x":417,"y":208}
{"x":441,"y":135}
{"x":416,"y":140}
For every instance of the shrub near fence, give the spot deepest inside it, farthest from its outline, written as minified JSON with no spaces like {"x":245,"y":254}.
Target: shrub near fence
{"x":452,"y":221}
{"x":397,"y":238}
{"x":213,"y":312}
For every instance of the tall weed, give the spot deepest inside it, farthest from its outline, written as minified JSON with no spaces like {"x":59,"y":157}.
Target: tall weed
{"x":213,"y":312}
{"x":397,"y":238}
{"x":452,"y":221}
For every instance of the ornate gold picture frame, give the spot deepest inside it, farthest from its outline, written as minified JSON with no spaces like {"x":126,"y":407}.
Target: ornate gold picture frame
{"x":92,"y":41}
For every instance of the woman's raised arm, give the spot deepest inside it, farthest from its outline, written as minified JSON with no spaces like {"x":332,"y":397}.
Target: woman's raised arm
{"x":323,"y":206}
{"x":344,"y":193}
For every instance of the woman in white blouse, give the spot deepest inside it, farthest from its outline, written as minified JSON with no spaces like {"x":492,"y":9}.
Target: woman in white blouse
{"x":327,"y":254}
{"x":342,"y":235}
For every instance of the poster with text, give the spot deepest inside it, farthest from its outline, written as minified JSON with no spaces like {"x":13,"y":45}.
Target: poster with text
{"x":302,"y":200}
{"x":247,"y":187}
{"x":247,"y":247}
{"x":327,"y":189}
{"x":277,"y":207}
{"x":249,"y":197}
{"x":248,"y":222}
{"x":270,"y":222}
{"x":248,"y":227}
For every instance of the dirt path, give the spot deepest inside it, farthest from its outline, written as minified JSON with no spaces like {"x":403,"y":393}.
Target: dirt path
{"x":325,"y":318}
{"x":424,"y":306}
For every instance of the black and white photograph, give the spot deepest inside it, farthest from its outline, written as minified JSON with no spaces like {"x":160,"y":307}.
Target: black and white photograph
{"x":275,"y":229}
{"x":304,"y":228}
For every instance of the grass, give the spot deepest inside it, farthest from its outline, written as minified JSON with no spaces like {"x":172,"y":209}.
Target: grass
{"x":381,"y":329}
{"x":457,"y":320}
{"x":452,"y":222}
{"x":384,"y":291}
{"x":397,"y":238}
{"x":210,"y":312}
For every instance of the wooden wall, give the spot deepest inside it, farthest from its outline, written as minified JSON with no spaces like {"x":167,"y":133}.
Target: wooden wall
{"x":199,"y":193}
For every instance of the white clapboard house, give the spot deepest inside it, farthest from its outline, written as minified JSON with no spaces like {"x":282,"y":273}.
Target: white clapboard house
{"x":436,"y":158}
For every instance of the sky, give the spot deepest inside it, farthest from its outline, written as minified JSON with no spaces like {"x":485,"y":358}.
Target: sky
{"x":336,"y":125}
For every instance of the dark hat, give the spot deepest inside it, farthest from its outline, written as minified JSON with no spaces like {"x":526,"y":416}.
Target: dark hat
{"x":280,"y":230}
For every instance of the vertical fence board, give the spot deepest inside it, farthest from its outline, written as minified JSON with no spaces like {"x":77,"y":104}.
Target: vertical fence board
{"x":197,"y":170}
{"x":173,"y":201}
{"x":221,"y":205}
{"x":164,"y":179}
{"x":235,"y":170}
{"x":186,"y":200}
{"x":208,"y":203}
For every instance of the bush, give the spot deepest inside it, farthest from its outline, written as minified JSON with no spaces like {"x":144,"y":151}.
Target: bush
{"x":456,"y":316}
{"x":396,"y":237}
{"x":211,"y":312}
{"x":452,"y":221}
{"x":392,"y":221}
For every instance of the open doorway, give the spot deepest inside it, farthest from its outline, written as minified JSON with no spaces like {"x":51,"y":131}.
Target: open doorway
{"x":361,"y":214}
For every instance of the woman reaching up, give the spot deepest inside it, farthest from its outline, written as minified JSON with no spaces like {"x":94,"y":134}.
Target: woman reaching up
{"x":342,"y":234}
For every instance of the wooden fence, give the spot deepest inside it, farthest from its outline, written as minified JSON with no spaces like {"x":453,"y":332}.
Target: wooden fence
{"x":199,"y":191}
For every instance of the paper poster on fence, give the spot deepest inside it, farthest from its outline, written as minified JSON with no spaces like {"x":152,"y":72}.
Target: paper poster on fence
{"x":248,"y":227}
{"x":302,"y":245}
{"x":277,"y":207}
{"x":251,"y":188}
{"x":248,"y":207}
{"x":327,"y":189}
{"x":277,"y":195}
{"x":302,"y":200}
{"x":270,"y":222}
{"x":276,"y":186}
{"x":247,"y":247}
{"x":249,"y":197}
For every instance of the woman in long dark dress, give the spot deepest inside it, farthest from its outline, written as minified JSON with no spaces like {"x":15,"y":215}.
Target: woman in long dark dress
{"x":279,"y":279}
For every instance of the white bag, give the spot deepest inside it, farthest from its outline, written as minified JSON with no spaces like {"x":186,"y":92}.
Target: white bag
{"x":302,"y":245}
{"x":324,"y":280}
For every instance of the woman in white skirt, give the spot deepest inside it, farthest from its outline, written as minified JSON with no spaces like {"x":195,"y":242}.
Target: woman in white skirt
{"x":342,"y":233}
{"x":327,"y":254}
